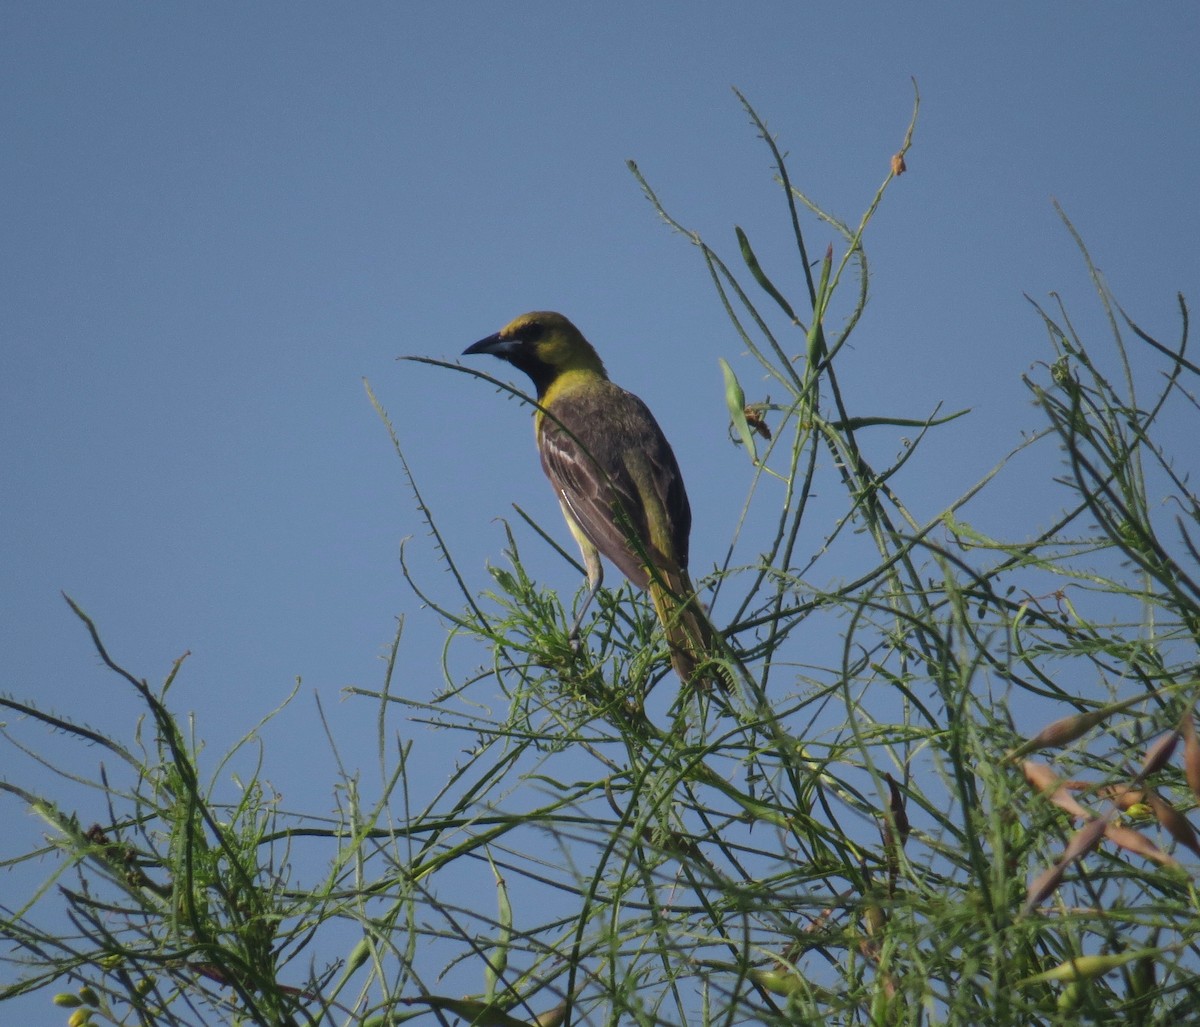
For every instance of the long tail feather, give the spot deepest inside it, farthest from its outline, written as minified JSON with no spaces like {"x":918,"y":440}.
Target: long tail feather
{"x":696,"y":645}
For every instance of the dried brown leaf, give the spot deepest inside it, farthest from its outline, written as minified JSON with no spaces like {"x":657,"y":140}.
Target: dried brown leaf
{"x":1159,"y":753}
{"x":1173,"y":822}
{"x":1061,"y":732}
{"x":1136,"y":842}
{"x":898,"y":808}
{"x":1082,"y":842}
{"x":1067,"y":729}
{"x":1039,"y":776}
{"x":1191,"y":752}
{"x":1042,"y":778}
{"x":1043,"y":886}
{"x":1123,"y":796}
{"x":896,"y":824}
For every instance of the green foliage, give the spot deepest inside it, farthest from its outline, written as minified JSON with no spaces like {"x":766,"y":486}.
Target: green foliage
{"x":859,"y":835}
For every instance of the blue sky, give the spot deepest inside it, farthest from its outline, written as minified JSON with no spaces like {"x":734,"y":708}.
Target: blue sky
{"x":219,"y":219}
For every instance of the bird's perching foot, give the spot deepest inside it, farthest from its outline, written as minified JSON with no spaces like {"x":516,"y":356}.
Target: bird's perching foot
{"x":595,"y":577}
{"x":573,"y":637}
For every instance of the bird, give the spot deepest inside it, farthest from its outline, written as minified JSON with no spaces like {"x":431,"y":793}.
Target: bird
{"x":616,"y":479}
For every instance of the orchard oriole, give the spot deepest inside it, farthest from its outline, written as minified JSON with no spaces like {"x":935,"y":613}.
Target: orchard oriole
{"x":616,"y":479}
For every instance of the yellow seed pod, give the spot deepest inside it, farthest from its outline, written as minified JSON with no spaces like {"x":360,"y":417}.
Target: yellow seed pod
{"x":1070,"y":997}
{"x":778,"y":982}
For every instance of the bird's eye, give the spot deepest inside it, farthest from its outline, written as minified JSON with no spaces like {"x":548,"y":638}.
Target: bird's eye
{"x":532,"y":332}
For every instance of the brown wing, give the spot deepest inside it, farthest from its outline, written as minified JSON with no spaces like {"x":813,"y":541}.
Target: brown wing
{"x":608,"y":459}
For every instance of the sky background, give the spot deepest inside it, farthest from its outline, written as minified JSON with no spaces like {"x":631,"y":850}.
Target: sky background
{"x":220,"y":219}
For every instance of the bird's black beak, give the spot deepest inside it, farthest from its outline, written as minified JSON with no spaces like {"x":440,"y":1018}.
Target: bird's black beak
{"x":494,"y":345}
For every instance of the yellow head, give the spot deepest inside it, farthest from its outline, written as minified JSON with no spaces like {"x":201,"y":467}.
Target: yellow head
{"x":544,"y":345}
